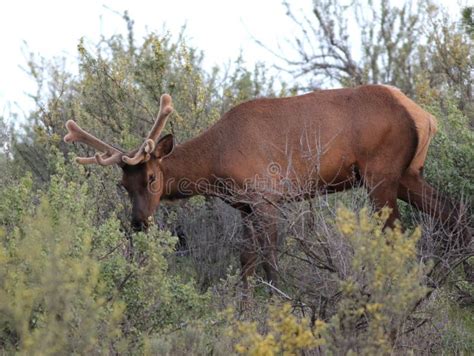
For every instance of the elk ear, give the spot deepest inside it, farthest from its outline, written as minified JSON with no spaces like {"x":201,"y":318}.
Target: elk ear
{"x":164,"y":146}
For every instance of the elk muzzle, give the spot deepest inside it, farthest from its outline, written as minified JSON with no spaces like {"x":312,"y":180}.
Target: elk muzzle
{"x":140,"y":225}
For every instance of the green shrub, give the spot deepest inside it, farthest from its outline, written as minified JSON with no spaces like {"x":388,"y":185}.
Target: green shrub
{"x":450,"y":163}
{"x":69,"y":287}
{"x":51,"y":295}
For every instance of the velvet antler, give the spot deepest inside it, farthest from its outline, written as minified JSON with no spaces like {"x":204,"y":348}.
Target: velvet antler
{"x":144,"y":152}
{"x":110,"y":155}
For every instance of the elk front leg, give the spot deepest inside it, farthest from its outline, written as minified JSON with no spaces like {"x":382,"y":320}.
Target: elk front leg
{"x":259,"y":240}
{"x":266,"y":231}
{"x":248,"y":250}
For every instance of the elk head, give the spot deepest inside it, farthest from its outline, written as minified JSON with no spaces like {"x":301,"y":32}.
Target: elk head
{"x":142,"y":175}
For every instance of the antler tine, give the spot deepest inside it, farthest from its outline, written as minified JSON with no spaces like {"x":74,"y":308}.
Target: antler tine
{"x":86,"y":160}
{"x":111,"y":155}
{"x":105,"y":160}
{"x":102,"y":159}
{"x":143,"y":153}
{"x":166,"y":108}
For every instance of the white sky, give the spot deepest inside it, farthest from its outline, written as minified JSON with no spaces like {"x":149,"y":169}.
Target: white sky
{"x":53,"y":28}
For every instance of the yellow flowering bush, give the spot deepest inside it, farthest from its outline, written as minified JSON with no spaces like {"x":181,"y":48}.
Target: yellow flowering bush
{"x":286,"y":334}
{"x":384,"y":286}
{"x":376,"y":295}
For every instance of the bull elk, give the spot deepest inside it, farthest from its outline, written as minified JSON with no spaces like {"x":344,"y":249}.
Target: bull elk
{"x":327,"y":140}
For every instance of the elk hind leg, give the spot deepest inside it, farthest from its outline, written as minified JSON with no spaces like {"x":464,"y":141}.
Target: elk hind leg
{"x":383,"y":193}
{"x":414,"y":190}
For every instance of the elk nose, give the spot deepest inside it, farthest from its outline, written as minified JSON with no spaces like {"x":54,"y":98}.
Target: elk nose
{"x":138,"y":225}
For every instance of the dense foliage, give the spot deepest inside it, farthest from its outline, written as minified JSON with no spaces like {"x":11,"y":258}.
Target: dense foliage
{"x":74,"y":278}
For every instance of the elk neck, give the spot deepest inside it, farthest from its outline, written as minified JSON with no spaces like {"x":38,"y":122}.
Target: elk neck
{"x":187,"y":168}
